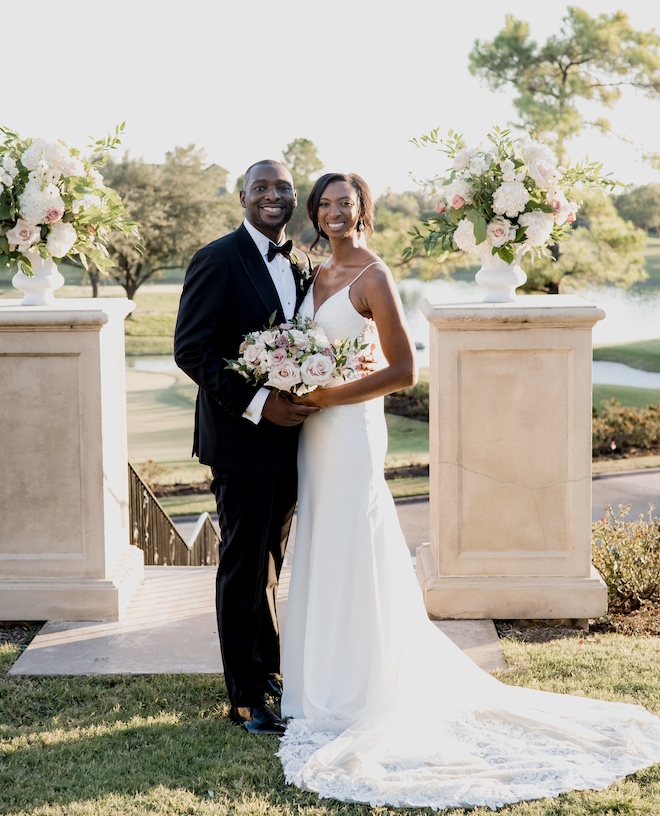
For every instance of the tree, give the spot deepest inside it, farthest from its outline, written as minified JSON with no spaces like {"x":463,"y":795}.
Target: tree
{"x":591,"y":60}
{"x":180,"y":206}
{"x":302,"y":158}
{"x":602,"y":249}
{"x":396,"y":215}
{"x":641,"y":206}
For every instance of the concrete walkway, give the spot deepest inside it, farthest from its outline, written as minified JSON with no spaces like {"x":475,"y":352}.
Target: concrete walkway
{"x":170,"y":628}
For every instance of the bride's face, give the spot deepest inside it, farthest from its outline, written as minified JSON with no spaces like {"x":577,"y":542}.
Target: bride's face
{"x":338,"y":212}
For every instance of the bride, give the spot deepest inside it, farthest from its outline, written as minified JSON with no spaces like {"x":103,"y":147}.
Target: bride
{"x":385,"y":709}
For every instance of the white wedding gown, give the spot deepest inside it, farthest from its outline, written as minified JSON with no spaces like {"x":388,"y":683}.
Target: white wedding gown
{"x":387,"y":710}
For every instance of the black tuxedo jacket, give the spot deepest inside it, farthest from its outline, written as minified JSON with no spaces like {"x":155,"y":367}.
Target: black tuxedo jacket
{"x":227,"y":293}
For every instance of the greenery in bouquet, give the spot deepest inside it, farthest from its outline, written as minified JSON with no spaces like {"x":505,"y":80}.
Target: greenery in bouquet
{"x":505,"y":200}
{"x":54,"y":203}
{"x":296,"y":356}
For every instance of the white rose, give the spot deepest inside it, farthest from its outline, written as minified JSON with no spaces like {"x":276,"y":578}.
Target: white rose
{"x":71,"y":166}
{"x":252,"y":352}
{"x":300,"y":339}
{"x":61,"y":239}
{"x":268,"y":338}
{"x":500,"y":231}
{"x":535,"y":151}
{"x":508,"y":170}
{"x":284,"y":376}
{"x":543,"y":173}
{"x":23,"y":235}
{"x":538,"y":226}
{"x":317,"y":369}
{"x":463,"y":157}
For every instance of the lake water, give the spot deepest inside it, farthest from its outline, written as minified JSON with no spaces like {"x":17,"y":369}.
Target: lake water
{"x":632,"y":314}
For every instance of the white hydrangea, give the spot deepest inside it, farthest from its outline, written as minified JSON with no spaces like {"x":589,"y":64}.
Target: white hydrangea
{"x":510,"y":198}
{"x":464,"y":237}
{"x":535,"y":151}
{"x":53,"y":155}
{"x":538,"y":226}
{"x":34,"y":202}
{"x":458,"y":193}
{"x":477,"y":166}
{"x":9,"y":167}
{"x":61,"y":238}
{"x":96,"y":177}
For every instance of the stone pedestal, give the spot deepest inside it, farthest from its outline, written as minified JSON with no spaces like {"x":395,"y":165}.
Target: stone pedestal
{"x":510,"y":461}
{"x":65,"y":550}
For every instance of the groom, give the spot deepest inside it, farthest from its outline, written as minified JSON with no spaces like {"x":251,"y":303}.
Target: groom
{"x":248,"y":436}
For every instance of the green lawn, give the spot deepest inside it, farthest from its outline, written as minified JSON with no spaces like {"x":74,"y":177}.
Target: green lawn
{"x":635,"y":397}
{"x":162,"y":744}
{"x":644,"y":354}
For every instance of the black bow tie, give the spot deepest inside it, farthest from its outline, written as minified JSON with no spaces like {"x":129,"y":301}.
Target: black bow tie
{"x":285,"y":250}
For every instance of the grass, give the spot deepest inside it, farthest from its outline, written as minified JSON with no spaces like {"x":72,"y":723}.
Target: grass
{"x":129,"y":745}
{"x":644,"y":354}
{"x":635,"y":397}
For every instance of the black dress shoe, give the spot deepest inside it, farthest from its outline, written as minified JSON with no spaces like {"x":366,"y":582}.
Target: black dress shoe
{"x":257,"y":719}
{"x":274,"y":686}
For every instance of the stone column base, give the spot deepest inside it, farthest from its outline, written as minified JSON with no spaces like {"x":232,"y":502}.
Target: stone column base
{"x":74,"y":599}
{"x":502,"y":597}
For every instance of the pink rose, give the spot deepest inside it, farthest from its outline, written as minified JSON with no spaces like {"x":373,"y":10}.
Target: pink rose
{"x":283,"y":341}
{"x":570,"y":218}
{"x":286,"y":326}
{"x":23,"y":235}
{"x":54,"y":214}
{"x":457,"y":202}
{"x":243,"y":346}
{"x":285,"y":376}
{"x":328,"y":353}
{"x":441,"y":207}
{"x":277,"y":357}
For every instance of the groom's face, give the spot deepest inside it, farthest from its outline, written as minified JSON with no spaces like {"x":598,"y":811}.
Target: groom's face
{"x":269,"y":199}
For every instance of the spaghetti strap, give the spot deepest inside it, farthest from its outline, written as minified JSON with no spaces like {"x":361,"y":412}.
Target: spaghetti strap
{"x":364,"y":270}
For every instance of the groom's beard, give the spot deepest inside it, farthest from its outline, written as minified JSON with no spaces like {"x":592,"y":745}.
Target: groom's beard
{"x":260,"y":223}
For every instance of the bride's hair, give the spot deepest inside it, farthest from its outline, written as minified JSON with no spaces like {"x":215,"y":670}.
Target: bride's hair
{"x":365,"y":202}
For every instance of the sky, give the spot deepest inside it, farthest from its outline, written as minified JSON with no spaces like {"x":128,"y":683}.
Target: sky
{"x":243,"y":78}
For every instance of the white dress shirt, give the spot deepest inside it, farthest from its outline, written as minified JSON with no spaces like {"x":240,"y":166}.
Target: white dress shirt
{"x":285,"y":284}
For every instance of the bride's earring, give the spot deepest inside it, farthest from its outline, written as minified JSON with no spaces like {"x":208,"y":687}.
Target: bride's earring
{"x":361,"y":225}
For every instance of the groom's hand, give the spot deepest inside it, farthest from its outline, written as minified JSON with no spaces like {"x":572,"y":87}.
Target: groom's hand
{"x":279,"y":410}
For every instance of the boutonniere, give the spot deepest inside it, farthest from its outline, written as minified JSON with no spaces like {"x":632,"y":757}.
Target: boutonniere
{"x":301,"y":268}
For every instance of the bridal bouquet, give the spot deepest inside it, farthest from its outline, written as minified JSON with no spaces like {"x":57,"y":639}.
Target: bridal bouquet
{"x":53,"y":202}
{"x":296,"y":357}
{"x":509,"y":198}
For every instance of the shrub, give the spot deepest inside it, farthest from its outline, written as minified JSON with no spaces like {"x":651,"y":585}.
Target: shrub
{"x":410,"y":402}
{"x":627,"y":555}
{"x":621,"y":427}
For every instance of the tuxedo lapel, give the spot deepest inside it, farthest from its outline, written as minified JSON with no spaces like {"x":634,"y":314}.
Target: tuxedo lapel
{"x":257,"y":272}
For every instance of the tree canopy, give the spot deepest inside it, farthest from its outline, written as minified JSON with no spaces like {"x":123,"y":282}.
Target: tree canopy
{"x":641,"y":206}
{"x":591,"y":60}
{"x":603,"y":249}
{"x":302,"y":158}
{"x":180,"y":205}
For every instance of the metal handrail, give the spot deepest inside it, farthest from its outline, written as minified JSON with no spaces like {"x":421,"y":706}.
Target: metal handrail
{"x":154,"y":532}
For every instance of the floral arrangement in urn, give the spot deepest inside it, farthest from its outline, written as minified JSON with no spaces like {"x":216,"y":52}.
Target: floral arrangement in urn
{"x":54,"y":203}
{"x":511,"y":198}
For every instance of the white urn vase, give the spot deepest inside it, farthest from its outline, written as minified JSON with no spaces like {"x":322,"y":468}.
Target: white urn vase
{"x":499,"y":278}
{"x":40,"y":287}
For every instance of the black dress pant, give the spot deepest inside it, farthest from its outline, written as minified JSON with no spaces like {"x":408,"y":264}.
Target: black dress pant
{"x":254,"y":513}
